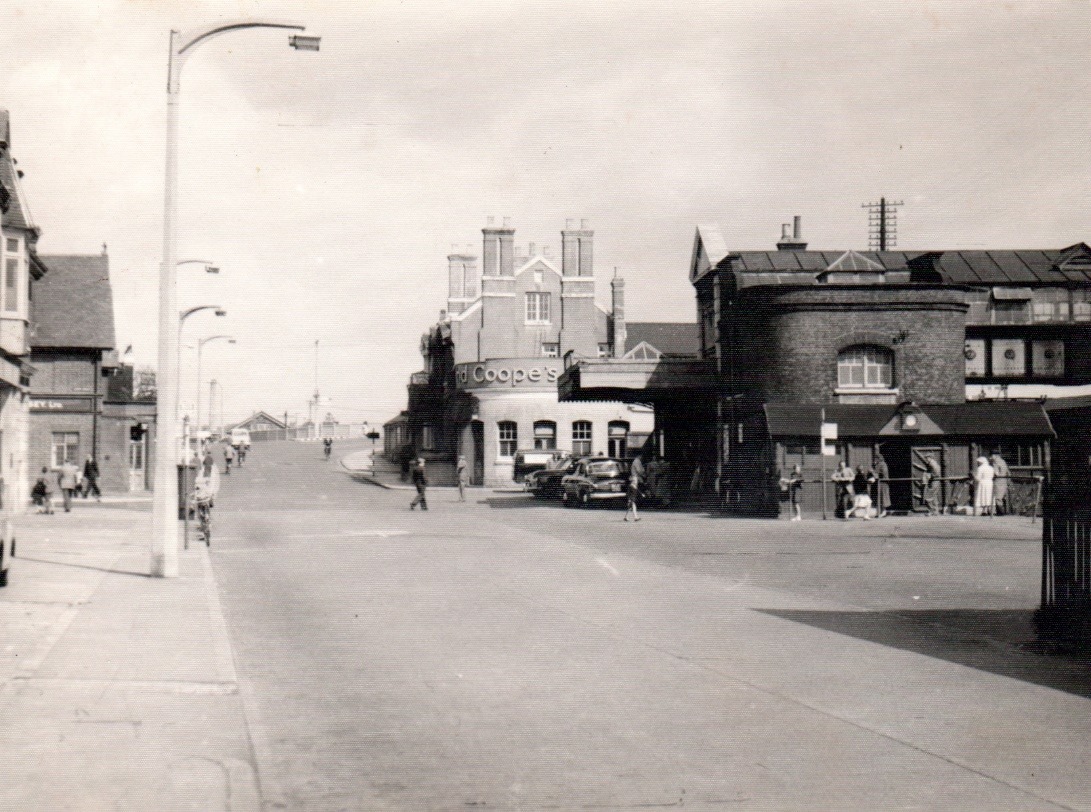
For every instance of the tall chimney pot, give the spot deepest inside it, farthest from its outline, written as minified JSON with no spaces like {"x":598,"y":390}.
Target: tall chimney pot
{"x":797,"y":230}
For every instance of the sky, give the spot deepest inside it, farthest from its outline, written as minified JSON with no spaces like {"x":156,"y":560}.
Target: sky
{"x":329,"y":187}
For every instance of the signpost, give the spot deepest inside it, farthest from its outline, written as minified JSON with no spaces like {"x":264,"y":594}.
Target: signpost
{"x":827,"y":431}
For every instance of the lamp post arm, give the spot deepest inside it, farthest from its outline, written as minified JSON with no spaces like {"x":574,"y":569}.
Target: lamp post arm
{"x":185,"y":314}
{"x":183,"y":44}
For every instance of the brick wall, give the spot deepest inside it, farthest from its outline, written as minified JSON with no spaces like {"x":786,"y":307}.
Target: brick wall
{"x":783,"y":342}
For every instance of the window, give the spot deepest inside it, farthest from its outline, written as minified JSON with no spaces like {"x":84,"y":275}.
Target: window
{"x":66,"y":447}
{"x":1081,"y":305}
{"x":1047,"y":358}
{"x":551,"y":349}
{"x":11,"y":284}
{"x":1009,"y":357}
{"x":12,"y":244}
{"x":545,"y":435}
{"x":975,"y":358}
{"x":537,"y":307}
{"x":865,"y":367}
{"x":581,"y":438}
{"x":1050,"y":304}
{"x":617,"y":438}
{"x":1009,"y":312}
{"x":604,"y":350}
{"x":428,"y":438}
{"x":508,"y":434}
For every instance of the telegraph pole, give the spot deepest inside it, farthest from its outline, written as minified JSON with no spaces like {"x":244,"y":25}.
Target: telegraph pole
{"x":882,"y":224}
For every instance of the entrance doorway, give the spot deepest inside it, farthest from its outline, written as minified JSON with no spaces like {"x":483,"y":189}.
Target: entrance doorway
{"x":137,"y":463}
{"x":477,"y":430}
{"x":908,"y":465}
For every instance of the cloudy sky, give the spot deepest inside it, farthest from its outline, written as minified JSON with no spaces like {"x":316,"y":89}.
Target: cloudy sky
{"x":330,"y":187}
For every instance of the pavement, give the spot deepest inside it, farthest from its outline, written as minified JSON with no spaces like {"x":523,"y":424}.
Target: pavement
{"x":117,"y":690}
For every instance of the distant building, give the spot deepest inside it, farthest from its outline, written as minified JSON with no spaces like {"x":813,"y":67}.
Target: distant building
{"x":260,"y":424}
{"x":886,"y":345}
{"x":20,"y":263}
{"x":129,"y":418}
{"x":489,"y":386}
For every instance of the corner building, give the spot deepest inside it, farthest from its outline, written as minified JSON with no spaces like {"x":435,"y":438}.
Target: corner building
{"x":489,"y":387}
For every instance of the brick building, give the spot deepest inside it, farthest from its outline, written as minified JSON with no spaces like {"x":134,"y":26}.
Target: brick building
{"x":884,"y":344}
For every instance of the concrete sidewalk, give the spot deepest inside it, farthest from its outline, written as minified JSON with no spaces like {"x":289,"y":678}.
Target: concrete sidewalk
{"x":117,"y":690}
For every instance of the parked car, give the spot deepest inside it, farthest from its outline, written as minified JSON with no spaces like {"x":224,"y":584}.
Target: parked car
{"x":595,"y":478}
{"x":546,"y":483}
{"x":533,"y":459}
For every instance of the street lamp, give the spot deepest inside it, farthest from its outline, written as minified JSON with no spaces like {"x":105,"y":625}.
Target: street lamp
{"x":185,"y":314}
{"x":164,"y":541}
{"x":200,"y":345}
{"x":209,"y":267}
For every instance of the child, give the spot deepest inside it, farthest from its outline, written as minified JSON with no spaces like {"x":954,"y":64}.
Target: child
{"x":42,"y":492}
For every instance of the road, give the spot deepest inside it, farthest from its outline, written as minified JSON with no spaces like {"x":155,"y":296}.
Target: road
{"x":509,"y":654}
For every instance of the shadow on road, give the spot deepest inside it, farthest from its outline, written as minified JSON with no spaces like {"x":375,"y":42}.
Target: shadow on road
{"x":1001,"y":642}
{"x":84,"y":566}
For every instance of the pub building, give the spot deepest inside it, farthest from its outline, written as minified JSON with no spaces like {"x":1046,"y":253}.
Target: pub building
{"x":488,"y":389}
{"x":948,"y":353}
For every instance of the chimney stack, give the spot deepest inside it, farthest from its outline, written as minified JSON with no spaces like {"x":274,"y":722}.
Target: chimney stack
{"x":620,"y":334}
{"x":795,"y":241}
{"x":577,"y":256}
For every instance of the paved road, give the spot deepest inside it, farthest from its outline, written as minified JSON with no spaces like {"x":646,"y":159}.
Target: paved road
{"x":507,"y":654}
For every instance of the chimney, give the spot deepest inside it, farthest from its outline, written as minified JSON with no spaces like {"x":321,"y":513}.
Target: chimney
{"x":794,"y":242}
{"x":577,"y":257}
{"x":532,"y":250}
{"x":620,"y":334}
{"x":498,"y":250}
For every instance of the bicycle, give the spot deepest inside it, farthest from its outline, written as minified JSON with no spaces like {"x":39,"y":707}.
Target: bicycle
{"x":203,"y":511}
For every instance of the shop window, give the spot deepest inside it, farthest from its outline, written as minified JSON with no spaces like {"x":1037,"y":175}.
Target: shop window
{"x":617,"y":436}
{"x":551,"y":349}
{"x":508,"y":435}
{"x":865,"y":367}
{"x":581,"y":438}
{"x":1047,"y":359}
{"x":1009,"y":357}
{"x":545,"y":435}
{"x":975,"y":358}
{"x":66,"y":447}
{"x":537,"y":307}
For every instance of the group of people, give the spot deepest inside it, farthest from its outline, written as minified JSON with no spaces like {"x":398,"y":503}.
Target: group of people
{"x":864,"y":493}
{"x":70,"y":481}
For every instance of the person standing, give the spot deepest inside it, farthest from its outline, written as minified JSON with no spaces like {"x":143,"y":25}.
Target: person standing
{"x":90,"y":478}
{"x":68,"y":478}
{"x":1001,"y":479}
{"x":229,"y":457}
{"x":207,"y":463}
{"x":420,"y":482}
{"x":843,"y":477}
{"x":931,"y":479}
{"x":793,"y":485}
{"x":882,"y":486}
{"x":633,"y":494}
{"x":463,"y":473}
{"x":983,"y":487}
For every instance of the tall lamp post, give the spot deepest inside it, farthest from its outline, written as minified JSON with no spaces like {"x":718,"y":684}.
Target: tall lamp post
{"x":164,"y":541}
{"x":200,"y":346}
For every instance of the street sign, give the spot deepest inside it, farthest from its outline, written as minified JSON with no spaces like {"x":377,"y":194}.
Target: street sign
{"x":829,"y":432}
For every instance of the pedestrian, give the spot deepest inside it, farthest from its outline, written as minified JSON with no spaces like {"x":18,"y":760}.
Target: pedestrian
{"x":843,"y":477}
{"x":42,"y":492}
{"x":983,"y":487}
{"x":463,"y":473}
{"x":420,"y":482}
{"x":90,"y":479}
{"x":793,"y":486}
{"x":882,"y":486}
{"x":207,"y":463}
{"x":240,"y":450}
{"x":931,"y":477}
{"x":68,"y":478}
{"x":1001,"y":480}
{"x":633,"y":494}
{"x":861,"y":496}
{"x":229,"y":457}
{"x":327,"y":446}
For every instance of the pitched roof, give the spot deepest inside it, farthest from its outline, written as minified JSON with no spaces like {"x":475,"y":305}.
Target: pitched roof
{"x":264,"y":416}
{"x":73,"y":305}
{"x":997,"y":417}
{"x":1051,"y":267}
{"x":669,"y":337}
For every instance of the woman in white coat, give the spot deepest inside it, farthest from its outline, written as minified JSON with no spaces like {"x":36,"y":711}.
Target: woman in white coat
{"x":983,"y":487}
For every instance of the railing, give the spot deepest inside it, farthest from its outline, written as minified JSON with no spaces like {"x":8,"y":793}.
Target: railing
{"x":1065,"y":613}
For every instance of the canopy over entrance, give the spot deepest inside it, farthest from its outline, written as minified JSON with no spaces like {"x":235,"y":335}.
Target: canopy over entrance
{"x":637,"y":381}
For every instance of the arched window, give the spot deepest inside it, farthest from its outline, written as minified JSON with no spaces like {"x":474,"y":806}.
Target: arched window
{"x":507,"y":432}
{"x":618,"y":438}
{"x":581,"y":438}
{"x":865,"y":366}
{"x":545,"y":435}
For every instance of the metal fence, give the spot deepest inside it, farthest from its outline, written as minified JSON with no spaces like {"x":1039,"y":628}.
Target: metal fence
{"x":1065,"y":613}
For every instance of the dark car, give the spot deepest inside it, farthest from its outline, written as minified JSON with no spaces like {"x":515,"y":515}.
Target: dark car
{"x":595,"y":478}
{"x":546,"y":483}
{"x":534,"y":459}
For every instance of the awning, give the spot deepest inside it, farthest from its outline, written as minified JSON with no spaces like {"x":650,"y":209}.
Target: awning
{"x":637,"y":381}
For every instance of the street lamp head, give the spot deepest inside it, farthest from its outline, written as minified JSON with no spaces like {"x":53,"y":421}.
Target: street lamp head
{"x":221,"y":312}
{"x":302,"y":42}
{"x":211,"y":269}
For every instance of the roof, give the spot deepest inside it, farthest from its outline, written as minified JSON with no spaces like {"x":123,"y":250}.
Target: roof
{"x":73,"y":304}
{"x":677,"y":338}
{"x":265,"y":416}
{"x":794,"y":264}
{"x":993,"y":418}
{"x":1019,"y":267}
{"x":16,"y":213}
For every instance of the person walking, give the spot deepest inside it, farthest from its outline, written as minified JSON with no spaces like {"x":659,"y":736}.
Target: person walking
{"x":793,"y":486}
{"x":327,"y":446}
{"x":931,"y":477}
{"x":420,"y":482}
{"x":1001,"y":480}
{"x":207,"y":463}
{"x":983,"y":487}
{"x":463,"y":473}
{"x":90,"y":479}
{"x":633,"y":494}
{"x":882,"y":484}
{"x":68,"y":478}
{"x":843,"y":477}
{"x":229,"y":457}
